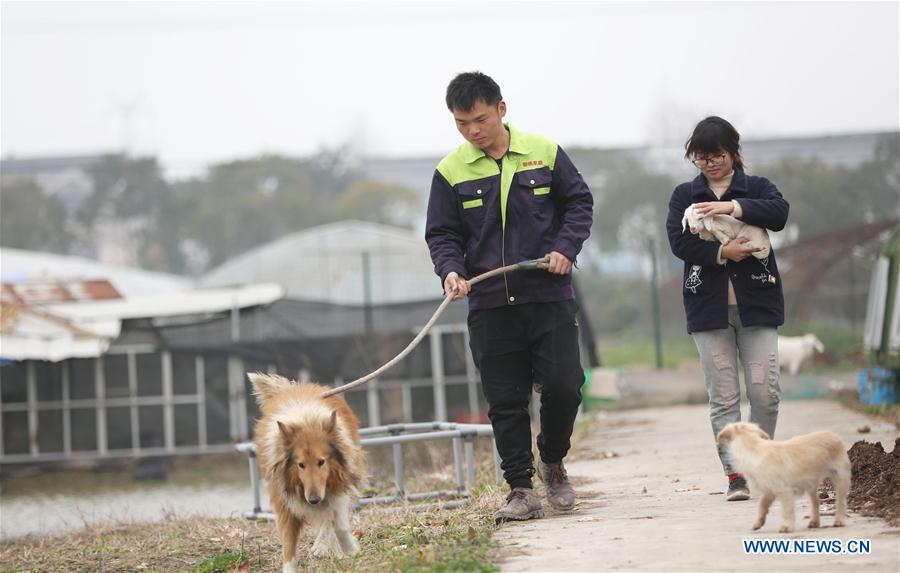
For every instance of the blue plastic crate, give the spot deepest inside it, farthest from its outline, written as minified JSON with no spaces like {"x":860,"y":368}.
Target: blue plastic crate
{"x":878,"y":386}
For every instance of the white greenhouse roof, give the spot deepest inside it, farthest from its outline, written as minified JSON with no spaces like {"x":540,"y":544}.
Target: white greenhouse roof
{"x":327,"y":264}
{"x":17,"y":265}
{"x":201,"y":301}
{"x":85,"y":329}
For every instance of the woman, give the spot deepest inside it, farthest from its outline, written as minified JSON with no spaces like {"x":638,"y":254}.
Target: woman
{"x":733,"y":301}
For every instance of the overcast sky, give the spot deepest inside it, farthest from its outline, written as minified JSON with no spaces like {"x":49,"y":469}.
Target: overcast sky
{"x":196,"y":83}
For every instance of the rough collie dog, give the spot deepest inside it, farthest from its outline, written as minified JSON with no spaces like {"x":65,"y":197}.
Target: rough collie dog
{"x":308,"y":449}
{"x":785,"y":469}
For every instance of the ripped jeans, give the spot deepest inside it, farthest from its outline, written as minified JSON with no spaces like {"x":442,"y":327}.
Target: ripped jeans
{"x":757,"y":347}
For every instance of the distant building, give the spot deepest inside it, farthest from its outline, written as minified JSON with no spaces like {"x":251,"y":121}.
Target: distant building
{"x":846,"y":150}
{"x":849,"y":150}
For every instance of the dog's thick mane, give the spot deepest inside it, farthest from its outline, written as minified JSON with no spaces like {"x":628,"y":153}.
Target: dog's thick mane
{"x":298,"y":425}
{"x":300,"y":405}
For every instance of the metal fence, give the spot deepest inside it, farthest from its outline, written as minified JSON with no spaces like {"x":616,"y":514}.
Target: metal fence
{"x":140,"y":401}
{"x":462,"y":435}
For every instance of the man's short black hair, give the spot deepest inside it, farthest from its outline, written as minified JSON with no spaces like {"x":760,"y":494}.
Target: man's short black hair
{"x":469,"y":87}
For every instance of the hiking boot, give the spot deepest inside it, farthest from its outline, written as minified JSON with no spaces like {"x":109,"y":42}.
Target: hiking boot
{"x":737,"y":489}
{"x":560,"y":493}
{"x":522,"y":503}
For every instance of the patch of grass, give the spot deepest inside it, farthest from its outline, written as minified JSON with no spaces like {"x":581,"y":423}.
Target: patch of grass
{"x":167,"y":546}
{"x":637,"y":349}
{"x":435,"y":541}
{"x":221,"y":562}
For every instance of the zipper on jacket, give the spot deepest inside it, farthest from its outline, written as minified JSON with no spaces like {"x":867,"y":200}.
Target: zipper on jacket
{"x":503,"y":239}
{"x":503,"y":262}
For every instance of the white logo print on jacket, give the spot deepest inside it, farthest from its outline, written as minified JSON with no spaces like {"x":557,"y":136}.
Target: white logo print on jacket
{"x":693,"y":281}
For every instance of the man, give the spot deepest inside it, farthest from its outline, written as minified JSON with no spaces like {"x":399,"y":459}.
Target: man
{"x":502,"y":197}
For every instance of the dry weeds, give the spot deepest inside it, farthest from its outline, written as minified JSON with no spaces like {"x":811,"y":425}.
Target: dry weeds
{"x":391,"y":538}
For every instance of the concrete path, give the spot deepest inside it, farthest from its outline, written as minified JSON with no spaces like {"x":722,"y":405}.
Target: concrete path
{"x":659,"y":505}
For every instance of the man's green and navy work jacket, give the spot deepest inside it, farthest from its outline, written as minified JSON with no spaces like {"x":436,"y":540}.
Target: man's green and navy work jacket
{"x":482,"y":216}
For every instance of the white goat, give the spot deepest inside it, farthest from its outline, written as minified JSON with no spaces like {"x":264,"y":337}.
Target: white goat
{"x":793,"y":351}
{"x":725,"y":228}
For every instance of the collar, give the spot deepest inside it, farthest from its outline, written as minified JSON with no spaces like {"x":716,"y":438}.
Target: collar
{"x":700,"y":186}
{"x":517,"y":144}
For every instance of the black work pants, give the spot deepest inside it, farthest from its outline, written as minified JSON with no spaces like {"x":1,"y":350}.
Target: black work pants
{"x":515,"y":348}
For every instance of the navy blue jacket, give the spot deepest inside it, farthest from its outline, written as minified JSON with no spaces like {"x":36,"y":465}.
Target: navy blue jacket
{"x":481,"y":217}
{"x":757,"y":284}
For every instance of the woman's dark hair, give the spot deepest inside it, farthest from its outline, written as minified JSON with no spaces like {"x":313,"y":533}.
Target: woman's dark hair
{"x":469,"y":87}
{"x":714,"y":135}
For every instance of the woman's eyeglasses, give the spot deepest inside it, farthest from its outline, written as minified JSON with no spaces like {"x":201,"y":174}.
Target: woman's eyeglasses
{"x":709,"y":160}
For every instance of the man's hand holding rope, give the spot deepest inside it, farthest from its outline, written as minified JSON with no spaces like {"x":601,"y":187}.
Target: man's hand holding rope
{"x":456,"y":284}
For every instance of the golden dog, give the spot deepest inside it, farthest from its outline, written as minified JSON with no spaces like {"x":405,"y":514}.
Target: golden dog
{"x":308,"y":448}
{"x":785,"y":469}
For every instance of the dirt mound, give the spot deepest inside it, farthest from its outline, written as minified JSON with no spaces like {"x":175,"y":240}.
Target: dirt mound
{"x":875,"y":487}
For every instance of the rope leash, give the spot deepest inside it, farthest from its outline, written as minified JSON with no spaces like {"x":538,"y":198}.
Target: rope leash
{"x":542,"y":263}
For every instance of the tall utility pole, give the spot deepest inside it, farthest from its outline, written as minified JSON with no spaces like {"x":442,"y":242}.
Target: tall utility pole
{"x":654,"y":295}
{"x":128,"y":110}
{"x":367,"y":291}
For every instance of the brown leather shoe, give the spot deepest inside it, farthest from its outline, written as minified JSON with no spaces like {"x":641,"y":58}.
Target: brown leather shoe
{"x":560,"y":493}
{"x":522,"y":503}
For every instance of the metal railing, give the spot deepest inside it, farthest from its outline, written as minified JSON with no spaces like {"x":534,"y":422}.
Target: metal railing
{"x":40,"y":417}
{"x":462,"y":435}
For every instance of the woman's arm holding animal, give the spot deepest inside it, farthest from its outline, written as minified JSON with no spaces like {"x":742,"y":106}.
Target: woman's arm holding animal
{"x":736,"y":237}
{"x":769,"y":211}
{"x":684,"y":245}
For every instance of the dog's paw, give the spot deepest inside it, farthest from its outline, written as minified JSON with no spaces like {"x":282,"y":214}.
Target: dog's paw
{"x":289,"y":567}
{"x":839,"y":523}
{"x":813,"y":523}
{"x":326,"y":550}
{"x":786,"y":529}
{"x":758,"y":524}
{"x":326,"y":543}
{"x":323,"y":552}
{"x":350,"y":545}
